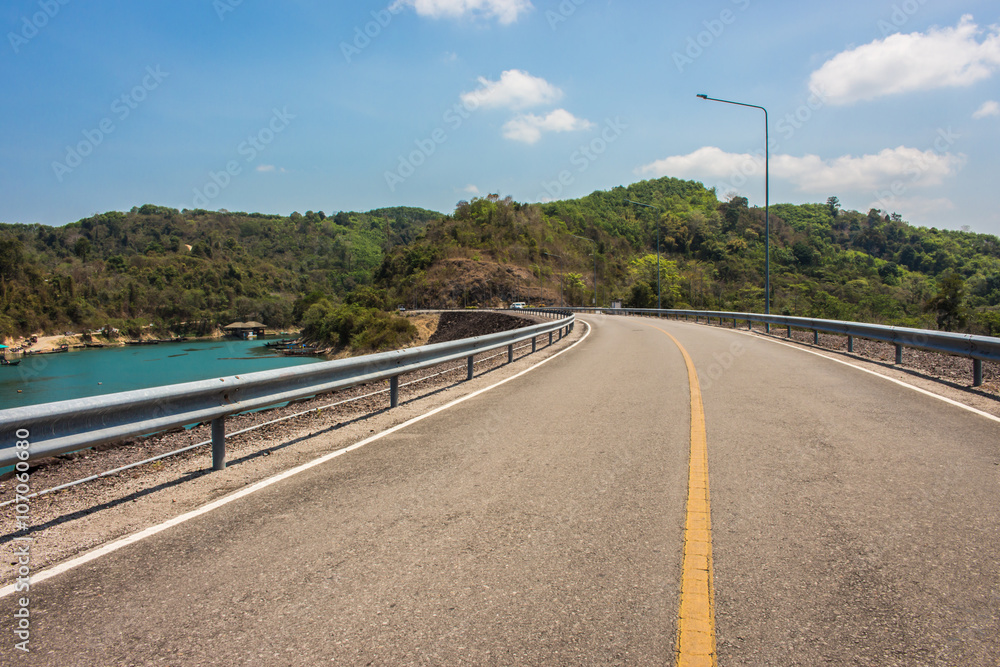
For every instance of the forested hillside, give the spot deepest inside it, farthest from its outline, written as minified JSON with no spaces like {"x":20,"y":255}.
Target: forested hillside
{"x":160,"y":266}
{"x":825,"y":262}
{"x":193,"y":269}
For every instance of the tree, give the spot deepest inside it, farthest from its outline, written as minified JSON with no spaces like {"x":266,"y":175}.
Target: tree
{"x":82,"y":248}
{"x":575,"y":288}
{"x":833,"y":204}
{"x":641,"y":296}
{"x":948,"y":303}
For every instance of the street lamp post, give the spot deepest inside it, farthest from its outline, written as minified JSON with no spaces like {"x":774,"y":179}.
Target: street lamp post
{"x":767,"y":218}
{"x":658,"y":300}
{"x":595,"y":263}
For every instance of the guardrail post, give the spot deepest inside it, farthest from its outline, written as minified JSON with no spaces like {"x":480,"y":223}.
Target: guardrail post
{"x":749,"y":324}
{"x":471,"y":368}
{"x":394,"y":391}
{"x":219,"y":443}
{"x":977,"y":373}
{"x":767,"y":327}
{"x":899,"y":353}
{"x":534,"y":344}
{"x":550,"y":338}
{"x":510,"y":353}
{"x":815,"y":337}
{"x":850,"y":343}
{"x":789,"y":333}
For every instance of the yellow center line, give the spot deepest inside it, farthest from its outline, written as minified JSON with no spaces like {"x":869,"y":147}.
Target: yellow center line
{"x":696,"y":618}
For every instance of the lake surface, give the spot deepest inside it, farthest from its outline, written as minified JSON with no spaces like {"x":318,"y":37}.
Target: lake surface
{"x":95,"y":372}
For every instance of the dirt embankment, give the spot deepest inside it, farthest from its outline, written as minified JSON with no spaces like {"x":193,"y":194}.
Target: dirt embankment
{"x":453,"y":326}
{"x":458,"y":282}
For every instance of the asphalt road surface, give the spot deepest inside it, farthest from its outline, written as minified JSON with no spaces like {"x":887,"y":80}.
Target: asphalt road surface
{"x":854,"y":522}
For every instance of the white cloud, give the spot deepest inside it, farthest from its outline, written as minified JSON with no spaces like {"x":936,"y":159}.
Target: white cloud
{"x":939,"y":58}
{"x":810,"y":173}
{"x":989,"y":108}
{"x":505,"y":11}
{"x":471,"y":189}
{"x":706,"y":161}
{"x":916,"y":210}
{"x":909,"y":165}
{"x":516,"y":89}
{"x":265,"y":167}
{"x":529,"y":127}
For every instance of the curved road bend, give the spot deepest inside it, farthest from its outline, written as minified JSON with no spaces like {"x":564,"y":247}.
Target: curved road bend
{"x":853,"y":522}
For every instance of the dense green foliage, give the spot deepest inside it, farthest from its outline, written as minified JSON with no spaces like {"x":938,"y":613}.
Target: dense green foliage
{"x":356,"y":328}
{"x":198,"y":269}
{"x":825,"y":262}
{"x":193,"y":269}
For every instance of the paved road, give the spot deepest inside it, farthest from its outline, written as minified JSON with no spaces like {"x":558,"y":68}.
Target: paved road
{"x":854,"y":522}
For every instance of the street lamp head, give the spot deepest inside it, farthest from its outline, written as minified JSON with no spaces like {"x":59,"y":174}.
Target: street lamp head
{"x":702,"y":96}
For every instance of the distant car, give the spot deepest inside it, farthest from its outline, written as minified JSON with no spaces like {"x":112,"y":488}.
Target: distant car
{"x":402,"y":309}
{"x":518,"y":305}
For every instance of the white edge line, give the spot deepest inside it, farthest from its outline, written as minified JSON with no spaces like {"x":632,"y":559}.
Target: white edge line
{"x":153,"y":530}
{"x":915,"y":388}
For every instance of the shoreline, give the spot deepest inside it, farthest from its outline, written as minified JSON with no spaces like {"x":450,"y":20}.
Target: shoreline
{"x":48,"y":343}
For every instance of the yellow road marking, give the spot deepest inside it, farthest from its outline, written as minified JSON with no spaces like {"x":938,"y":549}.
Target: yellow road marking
{"x":696,"y":617}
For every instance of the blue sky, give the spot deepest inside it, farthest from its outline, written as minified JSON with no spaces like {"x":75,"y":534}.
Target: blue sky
{"x":295,"y":105}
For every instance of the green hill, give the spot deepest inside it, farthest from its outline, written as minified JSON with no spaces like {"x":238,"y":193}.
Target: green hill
{"x":155,"y":265}
{"x":825,"y":262}
{"x":197,"y":269}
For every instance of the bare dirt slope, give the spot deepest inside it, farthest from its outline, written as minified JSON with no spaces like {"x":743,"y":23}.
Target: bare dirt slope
{"x":453,"y":326}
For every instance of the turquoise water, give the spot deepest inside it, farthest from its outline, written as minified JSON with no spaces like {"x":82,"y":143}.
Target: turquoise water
{"x":95,"y":372}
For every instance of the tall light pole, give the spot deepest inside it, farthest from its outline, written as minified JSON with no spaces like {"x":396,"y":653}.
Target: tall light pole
{"x":767,"y":218}
{"x":595,"y":262}
{"x":658,"y":301}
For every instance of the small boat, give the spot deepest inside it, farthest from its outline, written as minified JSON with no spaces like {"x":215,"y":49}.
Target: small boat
{"x":301,"y":352}
{"x":142,"y":342}
{"x":4,"y":362}
{"x":283,"y":344}
{"x":61,"y":348}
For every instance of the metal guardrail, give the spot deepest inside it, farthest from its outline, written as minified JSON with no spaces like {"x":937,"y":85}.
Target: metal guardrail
{"x":50,"y":429}
{"x":977,"y":348}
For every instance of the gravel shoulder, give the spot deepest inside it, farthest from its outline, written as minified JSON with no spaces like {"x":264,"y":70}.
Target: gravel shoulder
{"x":69,"y":522}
